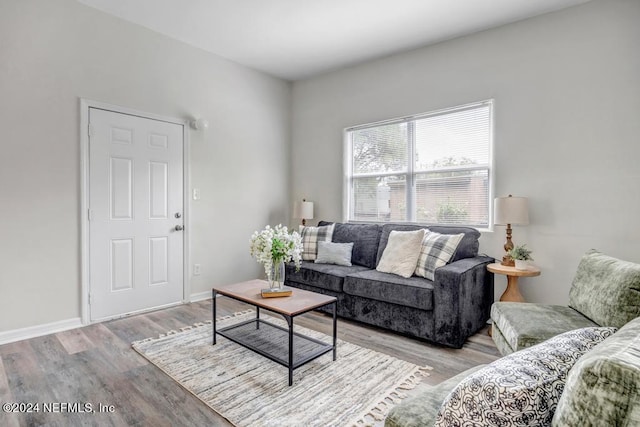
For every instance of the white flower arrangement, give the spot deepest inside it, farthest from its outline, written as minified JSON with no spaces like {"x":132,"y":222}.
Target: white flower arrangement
{"x":272,"y":245}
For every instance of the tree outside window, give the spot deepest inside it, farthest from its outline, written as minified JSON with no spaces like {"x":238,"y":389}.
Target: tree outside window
{"x":432,"y":168}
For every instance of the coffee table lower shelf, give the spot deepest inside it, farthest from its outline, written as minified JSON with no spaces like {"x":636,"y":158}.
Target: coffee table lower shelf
{"x":272,"y":342}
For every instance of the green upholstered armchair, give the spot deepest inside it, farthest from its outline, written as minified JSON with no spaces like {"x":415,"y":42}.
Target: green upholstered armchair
{"x":604,"y":292}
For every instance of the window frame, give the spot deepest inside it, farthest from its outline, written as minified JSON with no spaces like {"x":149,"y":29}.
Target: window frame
{"x":411,"y":173}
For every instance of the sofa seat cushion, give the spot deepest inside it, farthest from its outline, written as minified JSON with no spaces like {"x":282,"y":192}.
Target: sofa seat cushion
{"x":326,"y":276}
{"x":500,"y":341}
{"x":603,"y":388}
{"x":525,"y":324}
{"x":421,"y":409}
{"x":413,"y":292}
{"x":606,"y":289}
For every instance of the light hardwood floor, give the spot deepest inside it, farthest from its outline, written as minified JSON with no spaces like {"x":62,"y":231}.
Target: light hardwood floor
{"x":96,"y":365}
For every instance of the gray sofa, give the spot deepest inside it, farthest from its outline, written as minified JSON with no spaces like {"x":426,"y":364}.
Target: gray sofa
{"x":445,"y":311}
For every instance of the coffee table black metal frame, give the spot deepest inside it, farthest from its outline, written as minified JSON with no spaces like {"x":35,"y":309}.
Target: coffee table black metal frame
{"x":322,"y":347}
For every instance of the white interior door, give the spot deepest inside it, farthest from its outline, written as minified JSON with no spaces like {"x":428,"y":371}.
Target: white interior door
{"x":135,"y":213}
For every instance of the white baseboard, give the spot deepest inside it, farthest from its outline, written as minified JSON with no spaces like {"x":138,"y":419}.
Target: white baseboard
{"x":200,"y":296}
{"x":63,"y":325}
{"x":39,"y":330}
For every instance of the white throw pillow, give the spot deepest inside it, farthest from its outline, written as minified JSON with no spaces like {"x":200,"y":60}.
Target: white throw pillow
{"x":437,"y":249}
{"x":401,"y":253}
{"x":334,"y":253}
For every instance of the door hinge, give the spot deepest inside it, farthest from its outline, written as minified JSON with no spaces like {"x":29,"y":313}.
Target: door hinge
{"x":90,"y":129}
{"x":89,"y":298}
{"x":90,"y":214}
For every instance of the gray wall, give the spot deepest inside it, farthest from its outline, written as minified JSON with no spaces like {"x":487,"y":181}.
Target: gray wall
{"x":567,"y":91}
{"x":52,"y":52}
{"x":567,"y":100}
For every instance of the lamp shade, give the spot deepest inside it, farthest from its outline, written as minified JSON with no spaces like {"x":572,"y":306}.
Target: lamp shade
{"x":303,"y":209}
{"x":511,"y":210}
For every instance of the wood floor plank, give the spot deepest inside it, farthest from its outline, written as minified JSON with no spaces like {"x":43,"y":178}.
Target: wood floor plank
{"x":5,"y":392}
{"x":135,"y":328}
{"x":15,"y":347}
{"x":187,"y":314}
{"x":174,"y":400}
{"x":75,"y":340}
{"x":96,"y":364}
{"x":172,"y":320}
{"x":27,"y":382}
{"x":49,"y":352}
{"x":131,"y":404}
{"x":6,"y":419}
{"x":77,"y":383}
{"x":116,"y":350}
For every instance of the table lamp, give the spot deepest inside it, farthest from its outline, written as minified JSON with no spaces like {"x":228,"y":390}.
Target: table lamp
{"x":510,"y":211}
{"x":303,"y":210}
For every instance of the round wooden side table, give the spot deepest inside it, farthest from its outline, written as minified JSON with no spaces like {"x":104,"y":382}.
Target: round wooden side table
{"x":512,"y":293}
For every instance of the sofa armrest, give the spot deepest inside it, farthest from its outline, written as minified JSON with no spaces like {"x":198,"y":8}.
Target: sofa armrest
{"x":462,"y":298}
{"x":603,"y":387}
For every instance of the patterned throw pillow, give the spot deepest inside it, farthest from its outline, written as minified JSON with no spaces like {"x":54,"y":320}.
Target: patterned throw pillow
{"x":334,"y":253}
{"x":521,"y":389}
{"x":437,"y":249}
{"x":310,"y":238}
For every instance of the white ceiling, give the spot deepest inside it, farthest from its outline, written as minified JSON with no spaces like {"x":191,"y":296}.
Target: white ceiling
{"x":295,"y":39}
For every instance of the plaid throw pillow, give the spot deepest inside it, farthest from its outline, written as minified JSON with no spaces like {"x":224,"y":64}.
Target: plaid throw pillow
{"x":437,"y":249}
{"x":310,"y":238}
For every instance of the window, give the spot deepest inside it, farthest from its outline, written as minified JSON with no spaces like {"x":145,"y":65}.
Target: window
{"x":433,"y":168}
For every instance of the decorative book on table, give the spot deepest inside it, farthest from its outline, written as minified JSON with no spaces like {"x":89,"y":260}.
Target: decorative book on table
{"x":276,"y":293}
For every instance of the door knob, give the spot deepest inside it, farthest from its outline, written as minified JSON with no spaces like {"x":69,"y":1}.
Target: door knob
{"x":178,"y":228}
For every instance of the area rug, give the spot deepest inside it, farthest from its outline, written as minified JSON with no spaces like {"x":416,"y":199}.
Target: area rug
{"x":247,"y":389}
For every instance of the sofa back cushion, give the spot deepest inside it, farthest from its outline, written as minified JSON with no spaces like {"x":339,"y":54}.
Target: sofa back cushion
{"x":365,"y":238}
{"x":603,"y":388}
{"x":467,"y":248}
{"x":606,"y":289}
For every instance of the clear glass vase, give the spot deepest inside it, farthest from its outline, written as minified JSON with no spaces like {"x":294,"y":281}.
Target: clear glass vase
{"x":276,"y":278}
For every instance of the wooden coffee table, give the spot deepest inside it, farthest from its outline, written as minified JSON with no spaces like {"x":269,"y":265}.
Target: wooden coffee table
{"x":282,"y":345}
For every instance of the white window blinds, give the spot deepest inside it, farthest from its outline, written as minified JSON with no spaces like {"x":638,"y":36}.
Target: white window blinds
{"x":432,"y":168}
